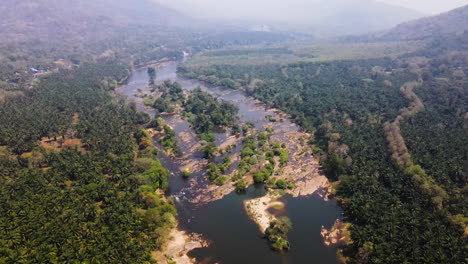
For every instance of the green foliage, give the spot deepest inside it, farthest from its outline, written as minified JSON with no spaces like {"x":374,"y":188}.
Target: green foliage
{"x":436,"y":137}
{"x":208,"y":137}
{"x":169,"y":92}
{"x":213,"y":171}
{"x":281,"y":184}
{"x":73,"y":207}
{"x":185,"y":174}
{"x":209,"y":112}
{"x":259,"y":177}
{"x":283,"y":156}
{"x":277,"y":232}
{"x":169,"y":141}
{"x":209,"y":150}
{"x":163,"y":105}
{"x":241,"y":186}
{"x":221,"y":180}
{"x":47,"y":110}
{"x":334,"y":166}
{"x":392,"y":213}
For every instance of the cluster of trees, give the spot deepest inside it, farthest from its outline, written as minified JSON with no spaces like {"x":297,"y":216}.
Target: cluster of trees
{"x":277,"y":232}
{"x":168,"y":94}
{"x":258,"y":157}
{"x":258,"y":154}
{"x":70,"y":206}
{"x":204,"y":111}
{"x":169,"y":140}
{"x":215,"y":170}
{"x":207,"y":112}
{"x":345,"y":104}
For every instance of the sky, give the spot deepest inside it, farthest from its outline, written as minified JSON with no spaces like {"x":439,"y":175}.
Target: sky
{"x":217,"y":7}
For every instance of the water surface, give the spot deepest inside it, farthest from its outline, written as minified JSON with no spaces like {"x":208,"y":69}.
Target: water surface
{"x":234,"y":237}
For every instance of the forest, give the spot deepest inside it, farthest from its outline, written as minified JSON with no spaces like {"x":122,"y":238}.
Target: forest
{"x":398,"y":214}
{"x":80,"y":181}
{"x":78,"y":173}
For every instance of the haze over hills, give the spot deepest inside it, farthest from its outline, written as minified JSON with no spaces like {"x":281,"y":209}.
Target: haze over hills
{"x":55,"y":20}
{"x":49,"y":20}
{"x":452,"y":22}
{"x":332,"y":17}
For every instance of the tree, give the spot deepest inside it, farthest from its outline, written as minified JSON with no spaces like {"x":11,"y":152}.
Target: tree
{"x":334,"y":166}
{"x":241,"y":186}
{"x":152,"y":74}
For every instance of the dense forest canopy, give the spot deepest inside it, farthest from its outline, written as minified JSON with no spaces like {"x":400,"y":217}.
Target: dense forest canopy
{"x":72,"y":188}
{"x":394,"y":210}
{"x":79,"y":178}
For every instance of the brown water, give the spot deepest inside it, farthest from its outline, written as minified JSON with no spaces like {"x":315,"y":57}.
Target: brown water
{"x":234,"y":237}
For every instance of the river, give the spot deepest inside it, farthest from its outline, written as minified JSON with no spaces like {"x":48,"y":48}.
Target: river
{"x":234,"y":237}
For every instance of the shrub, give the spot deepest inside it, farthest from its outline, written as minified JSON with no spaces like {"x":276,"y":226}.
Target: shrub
{"x":241,"y":186}
{"x":281,"y":184}
{"x":220,"y":180}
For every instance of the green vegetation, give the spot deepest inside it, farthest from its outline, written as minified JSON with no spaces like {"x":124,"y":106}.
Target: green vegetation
{"x":287,"y":53}
{"x":257,"y":157}
{"x":241,"y":186}
{"x":345,"y":103}
{"x":169,"y":140}
{"x":169,"y":93}
{"x":221,"y":180}
{"x":79,"y":204}
{"x":185,"y":174}
{"x":206,"y":112}
{"x":277,"y":232}
{"x":215,"y":170}
{"x":163,"y":105}
{"x":79,"y":181}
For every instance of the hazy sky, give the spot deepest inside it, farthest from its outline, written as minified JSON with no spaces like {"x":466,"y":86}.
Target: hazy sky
{"x":204,"y":7}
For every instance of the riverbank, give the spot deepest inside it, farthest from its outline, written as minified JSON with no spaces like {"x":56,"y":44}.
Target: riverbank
{"x":178,"y":246}
{"x":258,"y":210}
{"x":338,"y":234}
{"x":215,"y":211}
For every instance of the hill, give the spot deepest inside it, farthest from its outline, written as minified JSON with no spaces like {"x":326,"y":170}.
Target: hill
{"x":54,"y":20}
{"x":338,"y":17}
{"x":452,"y":22}
{"x":321,"y":18}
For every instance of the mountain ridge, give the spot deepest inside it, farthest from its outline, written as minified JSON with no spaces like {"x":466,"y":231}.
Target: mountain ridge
{"x":451,"y":22}
{"x":47,"y":20}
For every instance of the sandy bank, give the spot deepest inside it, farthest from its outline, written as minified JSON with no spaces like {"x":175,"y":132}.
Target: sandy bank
{"x":257,"y":210}
{"x":337,"y":235}
{"x":179,"y":245}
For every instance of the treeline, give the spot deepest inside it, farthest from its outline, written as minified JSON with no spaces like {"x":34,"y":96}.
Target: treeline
{"x":168,"y":94}
{"x":97,"y":203}
{"x":345,"y":104}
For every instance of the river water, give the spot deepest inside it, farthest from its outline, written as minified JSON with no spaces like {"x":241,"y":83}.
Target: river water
{"x":234,"y":237}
